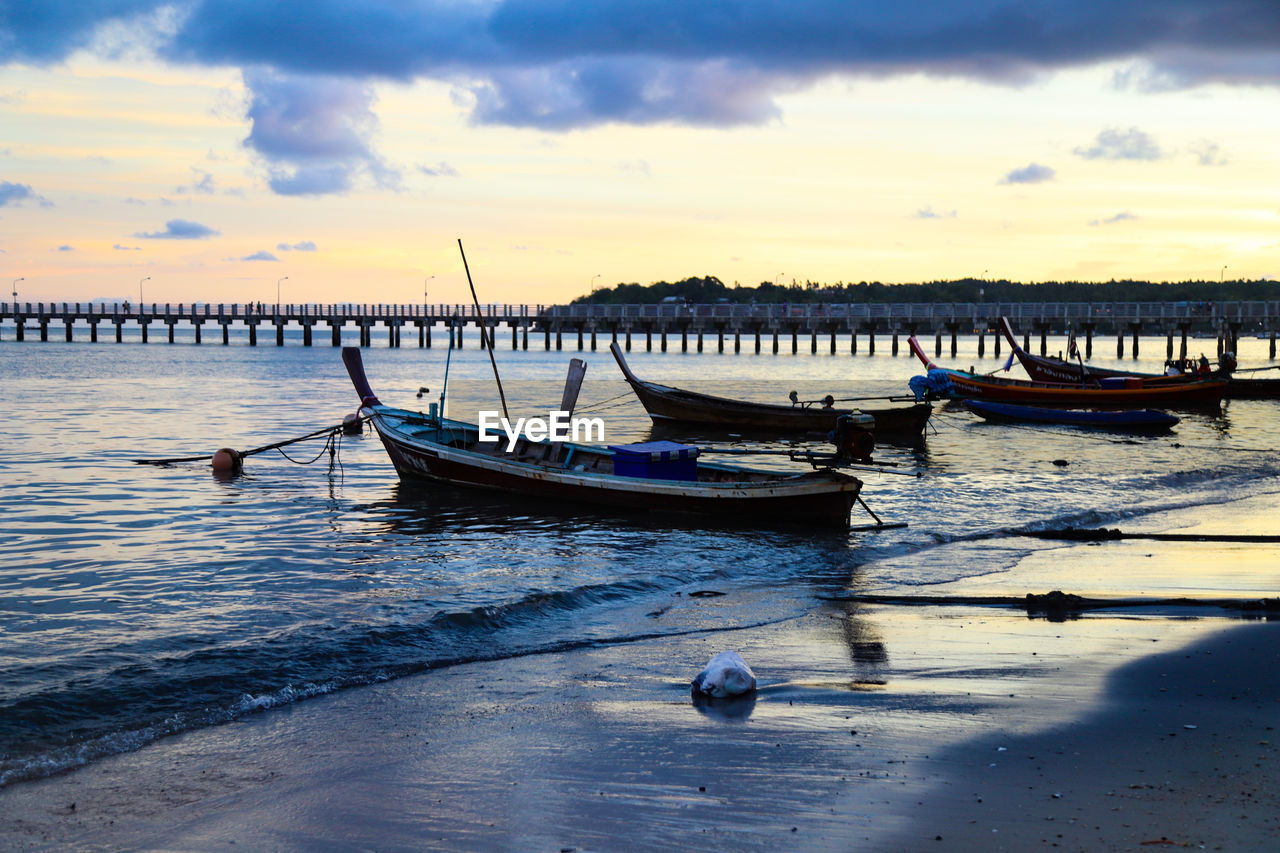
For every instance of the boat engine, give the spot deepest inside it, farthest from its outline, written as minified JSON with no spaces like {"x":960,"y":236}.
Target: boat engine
{"x":853,"y":441}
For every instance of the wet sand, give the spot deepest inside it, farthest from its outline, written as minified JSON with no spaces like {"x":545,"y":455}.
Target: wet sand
{"x":876,"y":727}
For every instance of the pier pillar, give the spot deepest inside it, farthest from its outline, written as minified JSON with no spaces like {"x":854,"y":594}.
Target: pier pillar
{"x":871,"y":342}
{"x":757,"y":340}
{"x":894,"y":347}
{"x":1135,"y":342}
{"x":1120,"y":343}
{"x":524,"y":337}
{"x":995,"y":341}
{"x":648,"y":338}
{"x":1044,"y":342}
{"x":1273,"y":345}
{"x":170,"y":332}
{"x":546,"y":338}
{"x":279,"y":334}
{"x":144,"y":331}
{"x":937,"y":342}
{"x":720,"y":340}
{"x":69,"y":332}
{"x":627,"y":345}
{"x":853,"y":341}
{"x":306,"y":335}
{"x":663,"y":340}
{"x":119,"y":332}
{"x":593,"y":339}
{"x":426,"y":329}
{"x":795,"y":340}
{"x":833,"y":341}
{"x":684,"y":340}
{"x":700,"y":340}
{"x":1168,"y":345}
{"x":93,"y":332}
{"x":1088,"y":342}
{"x":226,"y":334}
{"x":954,"y":346}
{"x":335,"y":333}
{"x":813,"y":342}
{"x":559,"y":340}
{"x":18,"y":332}
{"x":579,"y":339}
{"x":737,"y":341}
{"x":982,"y":343}
{"x":44,"y":330}
{"x":1026,"y":341}
{"x":253,"y":335}
{"x":775,"y":341}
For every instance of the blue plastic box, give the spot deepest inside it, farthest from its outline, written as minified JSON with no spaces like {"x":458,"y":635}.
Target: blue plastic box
{"x":656,"y":460}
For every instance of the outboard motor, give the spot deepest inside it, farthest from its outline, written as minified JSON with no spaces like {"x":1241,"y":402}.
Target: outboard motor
{"x":853,"y":441}
{"x":1227,"y":363}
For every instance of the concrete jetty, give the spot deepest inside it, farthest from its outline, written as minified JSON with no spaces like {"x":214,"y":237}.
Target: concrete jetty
{"x":769,"y":328}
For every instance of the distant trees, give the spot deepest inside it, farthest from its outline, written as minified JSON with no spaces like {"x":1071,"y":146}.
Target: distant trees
{"x":709,"y":289}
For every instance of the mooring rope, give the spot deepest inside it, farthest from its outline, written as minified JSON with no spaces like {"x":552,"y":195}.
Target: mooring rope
{"x":333,"y":441}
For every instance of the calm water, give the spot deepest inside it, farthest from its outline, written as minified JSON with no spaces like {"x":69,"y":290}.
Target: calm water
{"x":140,"y":601}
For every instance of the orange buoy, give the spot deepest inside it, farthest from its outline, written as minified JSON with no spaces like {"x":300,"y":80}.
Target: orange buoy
{"x":226,"y":459}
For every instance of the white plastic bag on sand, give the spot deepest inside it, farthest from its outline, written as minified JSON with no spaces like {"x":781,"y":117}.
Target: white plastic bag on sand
{"x":726,"y":674}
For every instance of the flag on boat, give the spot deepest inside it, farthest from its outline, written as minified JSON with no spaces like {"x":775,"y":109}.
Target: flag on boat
{"x":1008,"y":363}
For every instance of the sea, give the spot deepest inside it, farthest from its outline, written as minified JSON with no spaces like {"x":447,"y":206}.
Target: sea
{"x":141,"y":601}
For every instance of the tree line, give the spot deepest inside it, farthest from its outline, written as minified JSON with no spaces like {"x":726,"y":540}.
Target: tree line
{"x":709,"y":289}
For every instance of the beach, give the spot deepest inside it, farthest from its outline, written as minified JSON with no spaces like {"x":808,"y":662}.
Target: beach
{"x":881,"y":728}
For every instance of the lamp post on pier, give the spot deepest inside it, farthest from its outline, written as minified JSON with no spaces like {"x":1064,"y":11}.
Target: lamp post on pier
{"x":425,"y":282}
{"x":147,"y":278}
{"x":15,"y":291}
{"x":1222,"y":272}
{"x":285,"y":278}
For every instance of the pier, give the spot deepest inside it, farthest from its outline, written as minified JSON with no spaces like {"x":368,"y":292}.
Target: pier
{"x":757,"y":328}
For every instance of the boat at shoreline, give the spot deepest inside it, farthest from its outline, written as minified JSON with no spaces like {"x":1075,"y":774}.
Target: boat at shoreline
{"x":1111,"y":392}
{"x":1042,"y":368}
{"x":890,"y":424}
{"x":653,"y":477}
{"x":1123,"y":419}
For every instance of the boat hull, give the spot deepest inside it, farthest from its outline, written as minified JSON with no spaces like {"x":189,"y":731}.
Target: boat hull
{"x":819,"y":498}
{"x":1198,"y":394}
{"x":1152,"y":419}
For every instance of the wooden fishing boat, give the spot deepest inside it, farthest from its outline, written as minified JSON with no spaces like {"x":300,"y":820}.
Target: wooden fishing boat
{"x":890,"y":424}
{"x":653,"y":477}
{"x":1111,"y":392}
{"x":1049,"y":369}
{"x":1127,"y":419}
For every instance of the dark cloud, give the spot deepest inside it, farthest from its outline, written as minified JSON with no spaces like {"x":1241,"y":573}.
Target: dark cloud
{"x":1113,"y":144}
{"x":313,"y":133}
{"x":558,"y":64}
{"x":1032,"y":173}
{"x":16,"y":194}
{"x":180,"y":229}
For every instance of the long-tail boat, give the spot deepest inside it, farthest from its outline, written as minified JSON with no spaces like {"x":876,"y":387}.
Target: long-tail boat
{"x":1119,"y":419}
{"x":890,"y":424}
{"x":1049,"y":369}
{"x":653,"y":476}
{"x":1107,"y":392}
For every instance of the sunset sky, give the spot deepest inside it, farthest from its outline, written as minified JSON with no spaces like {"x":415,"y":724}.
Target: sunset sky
{"x":217,"y":147}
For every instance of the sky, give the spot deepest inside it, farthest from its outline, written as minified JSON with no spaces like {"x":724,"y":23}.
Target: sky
{"x":337,"y":150}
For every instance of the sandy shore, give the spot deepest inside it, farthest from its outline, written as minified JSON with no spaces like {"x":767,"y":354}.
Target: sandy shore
{"x":857,"y":739}
{"x":876,"y":727}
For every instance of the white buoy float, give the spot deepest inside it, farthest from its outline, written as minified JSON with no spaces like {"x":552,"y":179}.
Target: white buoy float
{"x":725,"y":675}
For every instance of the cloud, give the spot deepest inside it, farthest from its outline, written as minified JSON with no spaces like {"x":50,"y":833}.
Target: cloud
{"x":560,"y":64}
{"x":1032,"y":173}
{"x":314,"y":133}
{"x":260,"y":256}
{"x":1112,"y":144}
{"x":65,"y":248}
{"x":928,"y":212}
{"x":16,"y":194}
{"x":203,"y":182}
{"x":120,"y":248}
{"x":1112,"y":220}
{"x":180,"y":229}
{"x":302,"y":246}
{"x":1208,"y":153}
{"x":439,"y":170}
